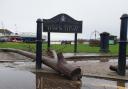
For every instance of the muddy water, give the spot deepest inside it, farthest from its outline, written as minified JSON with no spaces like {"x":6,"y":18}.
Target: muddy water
{"x":11,"y":78}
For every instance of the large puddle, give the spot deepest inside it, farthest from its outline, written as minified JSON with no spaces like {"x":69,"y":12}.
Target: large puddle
{"x":14,"y":79}
{"x":19,"y":74}
{"x":11,"y":78}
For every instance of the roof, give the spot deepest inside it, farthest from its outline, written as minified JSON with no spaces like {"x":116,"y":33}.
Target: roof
{"x":30,"y":34}
{"x":5,"y":31}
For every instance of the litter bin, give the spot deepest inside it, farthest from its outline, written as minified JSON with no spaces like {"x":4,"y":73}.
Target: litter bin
{"x":104,"y":42}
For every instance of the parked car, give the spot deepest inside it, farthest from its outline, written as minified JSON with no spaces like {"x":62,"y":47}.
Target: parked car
{"x":4,"y":39}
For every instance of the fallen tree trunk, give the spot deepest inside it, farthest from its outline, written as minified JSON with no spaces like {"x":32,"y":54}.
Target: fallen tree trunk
{"x":114,"y":68}
{"x":24,"y":53}
{"x":71,"y":71}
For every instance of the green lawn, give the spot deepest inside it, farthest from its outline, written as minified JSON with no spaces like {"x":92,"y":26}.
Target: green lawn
{"x":84,"y":48}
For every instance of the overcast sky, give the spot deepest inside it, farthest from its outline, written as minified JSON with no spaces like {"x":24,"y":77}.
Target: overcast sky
{"x":100,"y":15}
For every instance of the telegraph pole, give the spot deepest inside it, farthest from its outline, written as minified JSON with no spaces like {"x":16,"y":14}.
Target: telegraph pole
{"x":2,"y":25}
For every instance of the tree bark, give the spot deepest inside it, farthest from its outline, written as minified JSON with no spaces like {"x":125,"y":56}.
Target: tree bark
{"x":71,"y":71}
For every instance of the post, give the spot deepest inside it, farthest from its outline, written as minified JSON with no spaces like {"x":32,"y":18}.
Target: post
{"x":39,"y":80}
{"x":39,"y":44}
{"x":122,"y":45}
{"x":121,"y":83}
{"x":48,"y":47}
{"x":104,"y":42}
{"x":75,"y":43}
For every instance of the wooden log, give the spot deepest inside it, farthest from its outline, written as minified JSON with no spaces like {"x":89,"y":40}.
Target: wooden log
{"x":24,"y":53}
{"x":71,"y":71}
{"x":114,"y":68}
{"x":51,"y":54}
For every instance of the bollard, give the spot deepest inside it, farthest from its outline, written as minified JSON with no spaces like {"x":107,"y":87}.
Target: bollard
{"x":122,"y":45}
{"x":39,"y":44}
{"x":104,"y":42}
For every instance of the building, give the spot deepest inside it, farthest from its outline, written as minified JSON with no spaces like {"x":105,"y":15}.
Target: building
{"x":30,"y":37}
{"x":112,"y":39}
{"x":4,"y":32}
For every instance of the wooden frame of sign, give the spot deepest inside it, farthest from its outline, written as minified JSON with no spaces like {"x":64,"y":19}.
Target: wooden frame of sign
{"x":62,"y":23}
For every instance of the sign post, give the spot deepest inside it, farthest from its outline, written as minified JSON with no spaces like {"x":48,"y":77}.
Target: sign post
{"x":48,"y":41}
{"x":62,"y":23}
{"x":75,"y":43}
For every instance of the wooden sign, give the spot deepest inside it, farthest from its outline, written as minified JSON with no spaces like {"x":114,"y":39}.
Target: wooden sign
{"x":62,"y":23}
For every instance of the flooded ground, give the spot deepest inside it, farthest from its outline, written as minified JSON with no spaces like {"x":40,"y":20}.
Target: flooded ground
{"x":95,"y":83}
{"x":15,"y":76}
{"x":17,"y":72}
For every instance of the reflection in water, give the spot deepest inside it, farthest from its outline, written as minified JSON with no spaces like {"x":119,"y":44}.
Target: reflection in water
{"x":97,"y":83}
{"x":11,"y":78}
{"x":53,"y":81}
{"x":15,"y":79}
{"x":120,"y":84}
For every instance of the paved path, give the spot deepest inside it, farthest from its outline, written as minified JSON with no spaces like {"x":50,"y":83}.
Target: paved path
{"x":85,"y":54}
{"x":100,"y":69}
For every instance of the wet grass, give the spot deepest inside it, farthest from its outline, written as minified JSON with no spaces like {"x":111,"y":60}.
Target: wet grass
{"x":16,"y":45}
{"x":114,"y":49}
{"x":59,"y":48}
{"x":84,"y":48}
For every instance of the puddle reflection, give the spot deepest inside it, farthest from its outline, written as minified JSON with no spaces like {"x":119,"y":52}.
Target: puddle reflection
{"x":121,"y":85}
{"x":17,"y":79}
{"x":53,"y":81}
{"x":97,"y":83}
